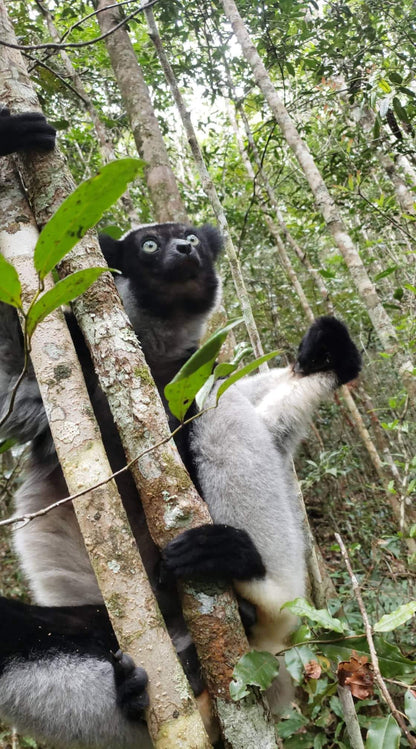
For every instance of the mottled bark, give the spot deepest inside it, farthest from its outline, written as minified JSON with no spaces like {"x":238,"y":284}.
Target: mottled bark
{"x":161,"y":183}
{"x":102,"y":133}
{"x":325,"y":203}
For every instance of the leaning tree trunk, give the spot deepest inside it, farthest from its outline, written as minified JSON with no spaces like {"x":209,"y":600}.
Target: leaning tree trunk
{"x":366,"y":289}
{"x":209,"y":189}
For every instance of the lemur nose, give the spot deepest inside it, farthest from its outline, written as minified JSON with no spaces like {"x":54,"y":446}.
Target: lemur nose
{"x":184,"y":247}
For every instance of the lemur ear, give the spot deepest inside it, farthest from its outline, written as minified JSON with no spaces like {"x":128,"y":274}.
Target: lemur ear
{"x":213,"y":239}
{"x":112,"y":250}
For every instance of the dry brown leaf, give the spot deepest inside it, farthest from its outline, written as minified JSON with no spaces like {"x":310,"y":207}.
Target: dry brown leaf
{"x":357,"y":674}
{"x":313,"y":670}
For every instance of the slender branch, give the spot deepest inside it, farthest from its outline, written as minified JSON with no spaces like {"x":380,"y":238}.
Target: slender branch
{"x":25,"y":519}
{"x":350,"y":717}
{"x":373,"y":654}
{"x":42,"y":64}
{"x":77,"y":45}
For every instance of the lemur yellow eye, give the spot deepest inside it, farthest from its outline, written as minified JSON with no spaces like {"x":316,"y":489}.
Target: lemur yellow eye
{"x":150,"y":245}
{"x":192,"y":239}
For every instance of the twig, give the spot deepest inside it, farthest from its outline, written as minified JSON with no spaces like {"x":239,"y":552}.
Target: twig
{"x":77,"y":45}
{"x":25,"y":519}
{"x":373,"y":654}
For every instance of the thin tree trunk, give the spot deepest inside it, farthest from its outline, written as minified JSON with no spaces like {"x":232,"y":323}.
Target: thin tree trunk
{"x":381,"y":321}
{"x":395,"y":502}
{"x":124,"y":585}
{"x":163,"y":190}
{"x":103,"y":135}
{"x":209,"y":189}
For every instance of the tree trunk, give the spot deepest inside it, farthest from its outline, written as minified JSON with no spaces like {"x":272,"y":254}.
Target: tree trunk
{"x":103,"y":135}
{"x":366,"y":289}
{"x":163,"y":190}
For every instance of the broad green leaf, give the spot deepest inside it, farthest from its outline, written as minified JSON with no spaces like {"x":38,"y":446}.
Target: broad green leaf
{"x":10,"y":288}
{"x":384,"y":733}
{"x":62,"y":293}
{"x":301,"y":634}
{"x":80,"y":211}
{"x":256,"y":668}
{"x":393,"y":664}
{"x":395,"y":77}
{"x":296,"y":659}
{"x":181,"y":391}
{"x":244,"y":371}
{"x":396,"y":618}
{"x":385,"y":273}
{"x":301,"y":607}
{"x":410,"y":707}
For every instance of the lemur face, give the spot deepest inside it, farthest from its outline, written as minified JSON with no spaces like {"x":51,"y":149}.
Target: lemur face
{"x":170,"y":267}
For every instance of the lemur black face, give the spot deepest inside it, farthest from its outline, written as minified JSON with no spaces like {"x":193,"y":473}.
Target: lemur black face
{"x":173,"y":251}
{"x":170,"y":267}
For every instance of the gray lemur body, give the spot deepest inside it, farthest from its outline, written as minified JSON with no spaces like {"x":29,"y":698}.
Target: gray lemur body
{"x":240,"y":455}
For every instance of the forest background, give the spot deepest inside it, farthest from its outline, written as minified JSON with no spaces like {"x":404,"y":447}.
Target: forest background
{"x":344,"y":72}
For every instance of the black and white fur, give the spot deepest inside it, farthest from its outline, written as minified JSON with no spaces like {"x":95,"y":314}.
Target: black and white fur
{"x":241,"y":454}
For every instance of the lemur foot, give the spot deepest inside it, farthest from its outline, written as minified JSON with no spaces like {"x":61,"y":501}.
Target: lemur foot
{"x":213,"y":551}
{"x":131,"y":682}
{"x":327,"y":347}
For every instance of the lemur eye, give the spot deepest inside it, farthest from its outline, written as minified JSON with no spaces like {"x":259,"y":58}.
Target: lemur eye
{"x":192,"y":239}
{"x":150,"y":245}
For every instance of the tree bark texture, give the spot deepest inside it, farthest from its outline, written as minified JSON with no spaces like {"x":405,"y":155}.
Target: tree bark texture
{"x":163,"y":190}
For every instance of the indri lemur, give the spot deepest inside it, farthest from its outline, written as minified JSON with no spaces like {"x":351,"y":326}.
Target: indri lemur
{"x":58,"y":680}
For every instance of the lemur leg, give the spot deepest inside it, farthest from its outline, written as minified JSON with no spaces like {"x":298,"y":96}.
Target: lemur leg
{"x":60,"y":683}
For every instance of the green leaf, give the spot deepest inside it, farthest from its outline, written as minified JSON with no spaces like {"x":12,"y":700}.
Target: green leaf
{"x":291,"y":724}
{"x":6,"y":445}
{"x":385,"y":273}
{"x":326,"y":273}
{"x":393,"y":665}
{"x":399,"y":616}
{"x":296,"y":659}
{"x":301,"y":607}
{"x":10,"y":288}
{"x":112,"y":230}
{"x":395,"y":77}
{"x":62,"y":293}
{"x":244,"y":371}
{"x":383,"y":733}
{"x":80,"y":211}
{"x":384,"y":85}
{"x":400,"y":110}
{"x":256,"y":668}
{"x":410,"y":707}
{"x":181,"y":391}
